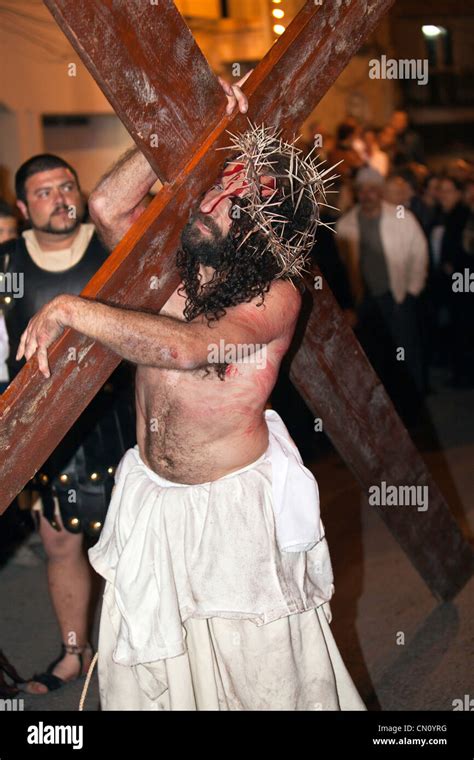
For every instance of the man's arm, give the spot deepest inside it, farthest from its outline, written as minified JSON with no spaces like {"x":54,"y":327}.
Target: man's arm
{"x":118,"y":200}
{"x":158,"y":340}
{"x":418,"y":268}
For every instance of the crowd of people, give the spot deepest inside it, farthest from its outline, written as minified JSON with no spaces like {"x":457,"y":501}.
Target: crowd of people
{"x":401,"y":258}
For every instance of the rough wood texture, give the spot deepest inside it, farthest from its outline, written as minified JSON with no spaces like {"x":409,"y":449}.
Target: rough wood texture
{"x":36,"y":412}
{"x":151,"y":70}
{"x":335,"y":379}
{"x":118,"y":42}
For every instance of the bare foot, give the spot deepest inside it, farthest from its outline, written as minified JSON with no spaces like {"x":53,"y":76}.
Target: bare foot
{"x":68,"y":669}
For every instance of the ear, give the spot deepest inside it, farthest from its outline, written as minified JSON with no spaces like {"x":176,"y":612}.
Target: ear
{"x":23,"y":208}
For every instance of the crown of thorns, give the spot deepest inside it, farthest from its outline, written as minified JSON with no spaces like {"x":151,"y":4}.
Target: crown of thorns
{"x":260,"y":148}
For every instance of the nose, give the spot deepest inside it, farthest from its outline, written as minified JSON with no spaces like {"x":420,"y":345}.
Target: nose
{"x":212,"y":199}
{"x":59,"y":197}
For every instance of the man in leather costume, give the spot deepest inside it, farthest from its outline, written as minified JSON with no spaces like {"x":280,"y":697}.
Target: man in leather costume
{"x":71,"y":492}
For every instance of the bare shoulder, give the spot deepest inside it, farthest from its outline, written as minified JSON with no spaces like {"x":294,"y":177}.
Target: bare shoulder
{"x":264,"y":319}
{"x":273,"y":319}
{"x":283,"y":301}
{"x":282,"y":306}
{"x":285,"y":292}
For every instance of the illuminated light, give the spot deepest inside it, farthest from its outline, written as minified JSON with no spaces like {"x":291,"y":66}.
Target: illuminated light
{"x":7,"y":299}
{"x":429,"y":30}
{"x":95,"y":476}
{"x":277,"y":2}
{"x":278,"y":13}
{"x":279,"y":28}
{"x":111,"y":470}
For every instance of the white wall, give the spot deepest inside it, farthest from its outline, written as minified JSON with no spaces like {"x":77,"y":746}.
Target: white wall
{"x":91,"y":148}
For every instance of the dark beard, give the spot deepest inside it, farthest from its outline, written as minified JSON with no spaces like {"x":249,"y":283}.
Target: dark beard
{"x":200,"y":247}
{"x":54,"y":231}
{"x":241,"y":272}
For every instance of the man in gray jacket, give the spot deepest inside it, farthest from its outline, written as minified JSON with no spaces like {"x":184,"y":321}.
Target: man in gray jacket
{"x":386,"y":255}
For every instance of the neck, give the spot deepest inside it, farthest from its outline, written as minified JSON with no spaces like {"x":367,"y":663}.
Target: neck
{"x":371,"y":212}
{"x":206,"y":273}
{"x":50,"y":242}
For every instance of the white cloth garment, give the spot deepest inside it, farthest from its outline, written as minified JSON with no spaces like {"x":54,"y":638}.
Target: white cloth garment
{"x":295,"y":491}
{"x":290,"y":664}
{"x":200,"y":597}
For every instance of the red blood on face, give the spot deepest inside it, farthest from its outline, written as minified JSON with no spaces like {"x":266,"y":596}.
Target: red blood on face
{"x":235,"y":170}
{"x":268,"y":184}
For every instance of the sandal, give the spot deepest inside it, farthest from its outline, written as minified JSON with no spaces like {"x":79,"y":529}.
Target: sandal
{"x":53,"y":682}
{"x":6,"y":689}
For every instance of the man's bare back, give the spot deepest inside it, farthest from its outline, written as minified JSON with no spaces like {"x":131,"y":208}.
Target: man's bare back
{"x":193,"y":427}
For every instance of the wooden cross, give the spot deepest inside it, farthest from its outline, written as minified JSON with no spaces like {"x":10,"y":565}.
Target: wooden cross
{"x":148,"y":65}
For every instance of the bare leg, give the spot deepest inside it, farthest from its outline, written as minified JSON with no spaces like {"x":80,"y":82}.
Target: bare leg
{"x":70,"y":585}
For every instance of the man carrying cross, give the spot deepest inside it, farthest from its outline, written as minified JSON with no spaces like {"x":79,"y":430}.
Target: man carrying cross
{"x":218,"y":576}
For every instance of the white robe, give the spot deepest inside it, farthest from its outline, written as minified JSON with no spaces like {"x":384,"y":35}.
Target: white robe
{"x":207,"y":605}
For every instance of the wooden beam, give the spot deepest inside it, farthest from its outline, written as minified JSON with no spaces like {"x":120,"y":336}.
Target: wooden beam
{"x":338,"y":384}
{"x":35,"y":412}
{"x":149,"y":67}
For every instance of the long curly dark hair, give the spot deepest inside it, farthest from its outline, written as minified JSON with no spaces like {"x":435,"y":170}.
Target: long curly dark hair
{"x":243,"y":273}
